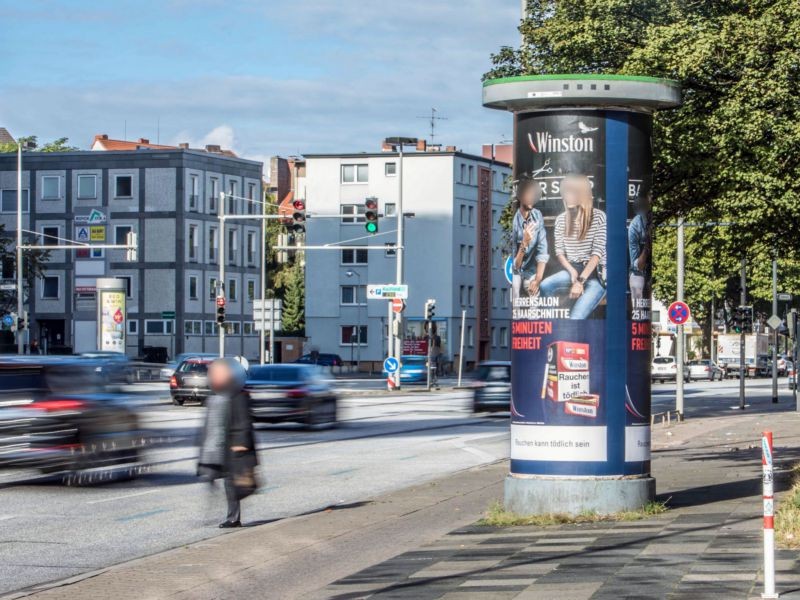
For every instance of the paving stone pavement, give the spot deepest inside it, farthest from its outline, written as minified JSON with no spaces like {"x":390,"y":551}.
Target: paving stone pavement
{"x":709,"y":545}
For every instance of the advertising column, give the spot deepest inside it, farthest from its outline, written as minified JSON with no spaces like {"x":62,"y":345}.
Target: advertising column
{"x":111,"y":315}
{"x":580,"y":257}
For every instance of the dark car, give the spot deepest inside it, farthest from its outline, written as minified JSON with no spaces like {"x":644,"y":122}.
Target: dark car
{"x":168,"y":370}
{"x":190,"y":381}
{"x":114,"y":367}
{"x":321,"y":359}
{"x":291,"y":392}
{"x":492,"y":387}
{"x":57,"y":416}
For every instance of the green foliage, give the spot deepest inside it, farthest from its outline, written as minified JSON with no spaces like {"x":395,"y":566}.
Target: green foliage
{"x":33,"y":267}
{"x":57,"y":145}
{"x":728,"y":154}
{"x":294,"y":300}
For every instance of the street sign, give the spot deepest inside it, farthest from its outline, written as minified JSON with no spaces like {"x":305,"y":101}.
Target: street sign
{"x":678,"y":313}
{"x":258,"y":303}
{"x":97,"y":233}
{"x":508,"y":269}
{"x":785,"y":297}
{"x":168,"y":314}
{"x":387,"y":291}
{"x":82,"y":234}
{"x":220,"y":300}
{"x":391,"y":364}
{"x":774,"y":322}
{"x":398,"y":305}
{"x":8,"y":320}
{"x":7,"y":287}
{"x":92,"y":218}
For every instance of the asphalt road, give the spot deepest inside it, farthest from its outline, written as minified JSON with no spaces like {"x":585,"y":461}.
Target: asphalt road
{"x":48,"y":531}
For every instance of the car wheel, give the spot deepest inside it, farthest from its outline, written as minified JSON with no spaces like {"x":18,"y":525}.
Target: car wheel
{"x":313,"y":417}
{"x":177,"y":401}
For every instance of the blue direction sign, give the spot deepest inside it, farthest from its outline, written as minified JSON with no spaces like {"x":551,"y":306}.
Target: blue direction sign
{"x":678,"y":312}
{"x":508,"y":268}
{"x":391,"y":364}
{"x":8,"y":320}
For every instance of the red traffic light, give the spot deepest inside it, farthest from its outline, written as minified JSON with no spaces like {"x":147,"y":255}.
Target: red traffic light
{"x":299,"y":205}
{"x":371,"y":204}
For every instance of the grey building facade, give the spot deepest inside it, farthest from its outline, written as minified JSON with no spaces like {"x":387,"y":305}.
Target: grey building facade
{"x":170,"y":198}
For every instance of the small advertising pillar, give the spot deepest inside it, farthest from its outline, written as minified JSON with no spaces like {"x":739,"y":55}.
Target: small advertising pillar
{"x":580,"y":267}
{"x":111,"y":315}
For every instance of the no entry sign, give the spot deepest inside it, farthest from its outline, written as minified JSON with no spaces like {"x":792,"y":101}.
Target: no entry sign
{"x":678,"y":313}
{"x":398,"y":305}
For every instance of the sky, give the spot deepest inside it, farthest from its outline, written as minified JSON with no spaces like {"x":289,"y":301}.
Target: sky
{"x":262,"y":77}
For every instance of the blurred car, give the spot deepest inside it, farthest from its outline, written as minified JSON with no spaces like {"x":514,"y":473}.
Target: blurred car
{"x":663,"y":368}
{"x":168,"y":370}
{"x":57,"y":416}
{"x":492,"y":387}
{"x":190,"y":381}
{"x":321,"y":359}
{"x":114,"y":367}
{"x":704,"y":369}
{"x":784,"y":364}
{"x":413,"y":369}
{"x":291,"y":392}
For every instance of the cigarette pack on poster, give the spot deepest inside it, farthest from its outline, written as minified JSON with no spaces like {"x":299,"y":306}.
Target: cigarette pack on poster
{"x":583,"y":405}
{"x":566,"y":374}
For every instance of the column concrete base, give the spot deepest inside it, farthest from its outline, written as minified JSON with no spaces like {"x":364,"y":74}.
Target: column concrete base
{"x":539,"y":495}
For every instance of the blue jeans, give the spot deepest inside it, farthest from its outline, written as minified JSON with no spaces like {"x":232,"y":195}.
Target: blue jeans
{"x":560,"y":283}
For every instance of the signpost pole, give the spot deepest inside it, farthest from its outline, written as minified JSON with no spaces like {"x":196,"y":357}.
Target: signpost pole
{"x":400,"y":252}
{"x":461,"y":346}
{"x":390,"y":329}
{"x":680,"y":350}
{"x":742,"y":337}
{"x":774,"y":330}
{"x":20,"y":337}
{"x":221,"y":282}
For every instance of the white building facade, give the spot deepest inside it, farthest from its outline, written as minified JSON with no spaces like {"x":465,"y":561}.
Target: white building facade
{"x":453,"y":252}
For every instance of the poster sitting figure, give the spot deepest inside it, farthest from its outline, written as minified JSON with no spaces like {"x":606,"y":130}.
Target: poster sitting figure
{"x":639,"y":240}
{"x":580,"y":247}
{"x":530,"y":240}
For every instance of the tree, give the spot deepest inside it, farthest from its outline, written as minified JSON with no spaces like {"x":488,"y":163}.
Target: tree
{"x":33,"y":267}
{"x":57,"y":145}
{"x":728,"y":154}
{"x":295,"y":299}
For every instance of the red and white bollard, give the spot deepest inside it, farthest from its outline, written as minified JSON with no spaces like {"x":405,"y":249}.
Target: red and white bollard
{"x":769,"y":516}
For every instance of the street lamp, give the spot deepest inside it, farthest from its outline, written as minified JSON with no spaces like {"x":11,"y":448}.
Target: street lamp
{"x":351,"y":273}
{"x":398,"y":143}
{"x":21,"y":145}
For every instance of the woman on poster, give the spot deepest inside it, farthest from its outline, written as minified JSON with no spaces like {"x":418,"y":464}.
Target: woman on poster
{"x":580,"y":247}
{"x":530,"y":240}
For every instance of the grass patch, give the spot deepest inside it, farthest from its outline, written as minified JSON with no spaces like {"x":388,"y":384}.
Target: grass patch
{"x":497,"y":516}
{"x":787,"y":515}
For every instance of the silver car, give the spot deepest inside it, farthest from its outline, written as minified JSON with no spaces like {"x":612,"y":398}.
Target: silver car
{"x":703,"y":370}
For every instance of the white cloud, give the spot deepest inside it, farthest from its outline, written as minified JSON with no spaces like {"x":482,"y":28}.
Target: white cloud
{"x":222,"y":135}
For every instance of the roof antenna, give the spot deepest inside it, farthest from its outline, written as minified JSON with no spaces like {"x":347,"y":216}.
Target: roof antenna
{"x":158,"y":130}
{"x":125,"y":130}
{"x":432,"y":120}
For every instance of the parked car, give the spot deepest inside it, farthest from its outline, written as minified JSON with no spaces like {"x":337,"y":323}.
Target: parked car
{"x":321,"y":359}
{"x":57,"y":416}
{"x":784,"y":364}
{"x":291,"y":392}
{"x":663,"y":368}
{"x":413,"y":369}
{"x":168,"y":370}
{"x":704,"y":369}
{"x":190,"y":381}
{"x":492,"y":387}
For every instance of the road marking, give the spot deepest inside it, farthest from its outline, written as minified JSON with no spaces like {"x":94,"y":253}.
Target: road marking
{"x":6,"y":517}
{"x":123,"y":497}
{"x":142,"y":515}
{"x":474,"y":451}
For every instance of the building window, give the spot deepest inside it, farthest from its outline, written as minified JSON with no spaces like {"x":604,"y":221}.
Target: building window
{"x":87,"y":186}
{"x":251,"y":197}
{"x":471,"y":174}
{"x":121,"y":233}
{"x":504,"y":299}
{"x":463,"y":254}
{"x":471,"y":295}
{"x":194,"y":191}
{"x":233,"y":327}
{"x":504,"y":337}
{"x":231,"y":290}
{"x":470,"y":336}
{"x":50,"y":235}
{"x":251,"y":248}
{"x":389,"y":209}
{"x":353,"y":294}
{"x":133,"y":327}
{"x":127,"y":281}
{"x":471,"y":219}
{"x":464,"y":214}
{"x":50,"y":285}
{"x":211,"y":328}
{"x":471,"y":256}
{"x":353,"y":335}
{"x":354,"y":210}
{"x":462,"y":295}
{"x":192,"y":327}
{"x":8,"y":201}
{"x":123,"y":186}
{"x":248,"y":327}
{"x":354,"y":257}
{"x":463,"y":176}
{"x":212,"y":244}
{"x":212,"y":288}
{"x":193,"y":242}
{"x":232,"y":246}
{"x":233,"y":192}
{"x":51,"y":187}
{"x":158,"y":327}
{"x":494,"y":337}
{"x":391,"y":169}
{"x":494,"y":297}
{"x":355,"y":174}
{"x":193,"y":295}
{"x":251,"y":289}
{"x":212,"y":198}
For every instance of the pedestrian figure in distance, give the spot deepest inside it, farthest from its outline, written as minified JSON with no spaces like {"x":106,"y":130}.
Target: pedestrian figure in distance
{"x":227,"y":446}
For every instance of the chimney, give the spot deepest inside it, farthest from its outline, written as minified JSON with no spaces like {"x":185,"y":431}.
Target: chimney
{"x":213,"y":148}
{"x":422,"y":145}
{"x":101,"y":136}
{"x":183,"y":145}
{"x":143,"y":141}
{"x":450,"y":149}
{"x":386,"y":147}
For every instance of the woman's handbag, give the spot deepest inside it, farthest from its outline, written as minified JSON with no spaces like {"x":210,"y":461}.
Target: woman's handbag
{"x":244,"y":474}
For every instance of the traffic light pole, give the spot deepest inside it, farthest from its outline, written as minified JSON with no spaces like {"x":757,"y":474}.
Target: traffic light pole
{"x":221,"y":281}
{"x":775,"y":331}
{"x":742,"y":365}
{"x":20,"y":335}
{"x":398,"y":337}
{"x":680,"y":349}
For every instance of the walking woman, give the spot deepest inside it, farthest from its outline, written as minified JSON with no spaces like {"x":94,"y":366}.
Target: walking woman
{"x":227,"y":448}
{"x":580,"y":247}
{"x":530,"y":240}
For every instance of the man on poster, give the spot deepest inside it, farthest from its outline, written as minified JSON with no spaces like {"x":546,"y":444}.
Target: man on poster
{"x":530,"y":240}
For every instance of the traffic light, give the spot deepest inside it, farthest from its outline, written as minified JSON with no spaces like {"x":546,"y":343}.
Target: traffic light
{"x":737,"y":324}
{"x":747,"y":319}
{"x":791,"y":323}
{"x":132,"y":241}
{"x":430,"y":309}
{"x":299,"y":216}
{"x":371,"y":215}
{"x":22,"y":321}
{"x":220,"y":315}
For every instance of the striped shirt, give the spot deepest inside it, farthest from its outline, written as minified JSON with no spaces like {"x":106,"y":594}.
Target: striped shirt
{"x":580,"y":251}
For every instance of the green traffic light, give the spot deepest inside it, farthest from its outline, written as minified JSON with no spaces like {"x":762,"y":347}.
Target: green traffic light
{"x":372,"y":227}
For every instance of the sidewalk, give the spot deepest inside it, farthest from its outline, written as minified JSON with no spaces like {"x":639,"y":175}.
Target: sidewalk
{"x":422,"y":543}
